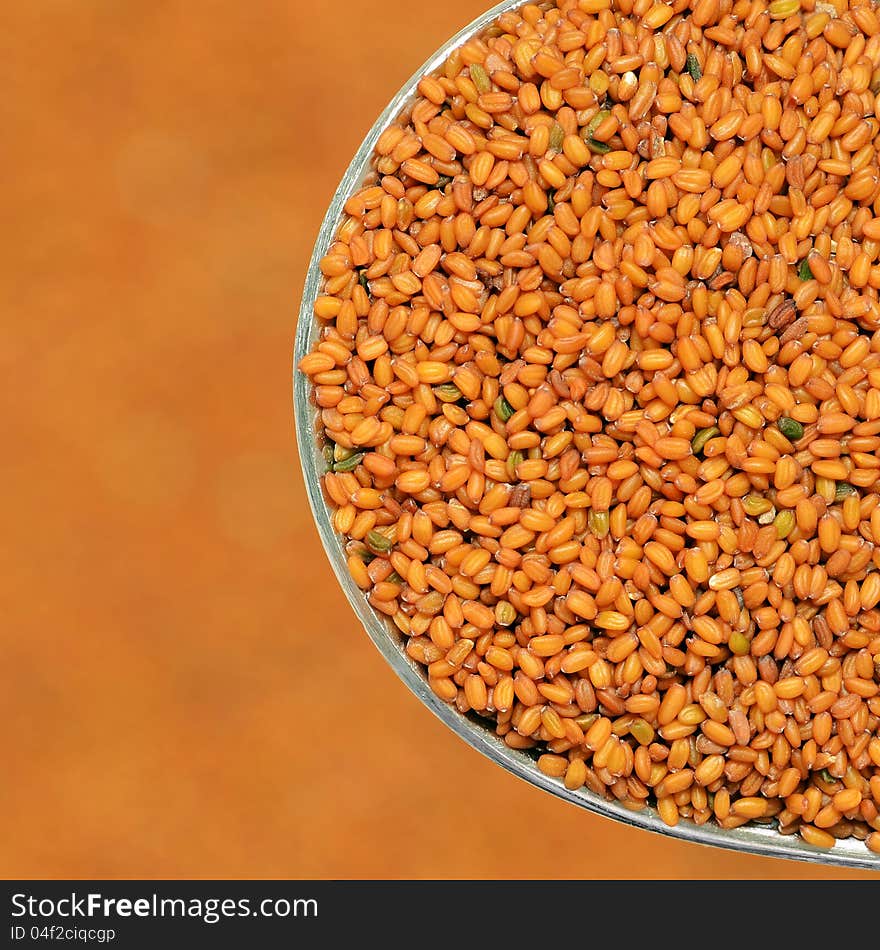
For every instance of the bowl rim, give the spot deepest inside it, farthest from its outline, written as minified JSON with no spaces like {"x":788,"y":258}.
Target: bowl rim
{"x":750,"y":839}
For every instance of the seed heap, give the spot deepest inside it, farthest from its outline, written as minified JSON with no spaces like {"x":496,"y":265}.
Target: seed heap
{"x":599,"y":378}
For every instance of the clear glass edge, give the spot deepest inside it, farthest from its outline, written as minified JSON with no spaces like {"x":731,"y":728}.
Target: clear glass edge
{"x":764,"y":842}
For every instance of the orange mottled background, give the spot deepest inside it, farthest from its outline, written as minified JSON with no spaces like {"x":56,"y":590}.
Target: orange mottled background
{"x":184,"y":691}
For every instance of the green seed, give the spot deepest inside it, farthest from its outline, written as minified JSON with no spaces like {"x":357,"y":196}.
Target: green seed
{"x":785,"y":522}
{"x":692,"y":65}
{"x":442,"y":182}
{"x":378,"y":542}
{"x":505,"y":613}
{"x":556,"y":137}
{"x":480,"y":78}
{"x":349,"y":464}
{"x":827,"y":777}
{"x":790,"y":428}
{"x":594,"y":123}
{"x":586,"y":720}
{"x":642,"y":732}
{"x":754,"y":505}
{"x":843,"y":490}
{"x":327,"y":452}
{"x":362,"y":279}
{"x":702,"y":437}
{"x":600,"y":148}
{"x":804,"y":271}
{"x":503,"y":408}
{"x":448,"y":392}
{"x":739,"y":643}
{"x":394,"y":578}
{"x":513,"y":461}
{"x":551,"y":202}
{"x":599,"y":523}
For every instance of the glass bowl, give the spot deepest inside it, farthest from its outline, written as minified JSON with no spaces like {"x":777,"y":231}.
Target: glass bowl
{"x":476,"y":732}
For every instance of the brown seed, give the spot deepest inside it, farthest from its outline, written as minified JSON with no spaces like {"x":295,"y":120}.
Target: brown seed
{"x":781,"y":315}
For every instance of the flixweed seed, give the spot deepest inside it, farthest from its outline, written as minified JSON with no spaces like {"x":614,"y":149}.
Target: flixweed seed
{"x":599,"y":362}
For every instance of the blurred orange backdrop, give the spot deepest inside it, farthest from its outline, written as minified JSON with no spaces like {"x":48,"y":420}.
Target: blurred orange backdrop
{"x":171,"y":629}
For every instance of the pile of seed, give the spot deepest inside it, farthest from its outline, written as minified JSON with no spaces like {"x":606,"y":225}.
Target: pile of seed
{"x":598,"y":380}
